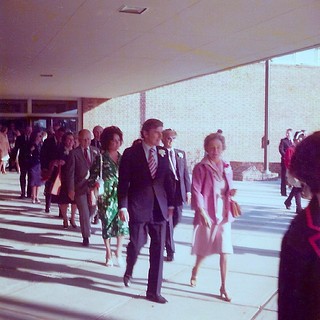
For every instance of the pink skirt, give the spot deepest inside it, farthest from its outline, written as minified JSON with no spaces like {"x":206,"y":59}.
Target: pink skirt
{"x":215,"y":240}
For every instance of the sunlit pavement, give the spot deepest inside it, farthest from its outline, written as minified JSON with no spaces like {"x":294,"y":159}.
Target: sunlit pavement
{"x":45,"y":272}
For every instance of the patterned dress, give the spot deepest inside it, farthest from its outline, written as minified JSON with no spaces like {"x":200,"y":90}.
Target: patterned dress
{"x":112,"y":226}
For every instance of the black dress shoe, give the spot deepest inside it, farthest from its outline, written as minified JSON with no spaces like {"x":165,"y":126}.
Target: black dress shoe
{"x":156,"y":298}
{"x":127,"y":280}
{"x":47,"y":210}
{"x":85,"y":242}
{"x":288,"y":205}
{"x":170,"y":258}
{"x":22,"y":196}
{"x":95,"y":220}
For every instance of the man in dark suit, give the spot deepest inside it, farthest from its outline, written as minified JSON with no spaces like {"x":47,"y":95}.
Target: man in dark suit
{"x":285,"y":143}
{"x":22,"y":146}
{"x":49,"y":152}
{"x":178,"y":165}
{"x":145,"y":199}
{"x":78,"y":168}
{"x":95,"y":142}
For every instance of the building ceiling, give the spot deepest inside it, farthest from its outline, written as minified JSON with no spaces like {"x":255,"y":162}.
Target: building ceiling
{"x":87,"y":48}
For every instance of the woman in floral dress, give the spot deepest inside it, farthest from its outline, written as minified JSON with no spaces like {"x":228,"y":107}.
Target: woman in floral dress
{"x":112,"y":226}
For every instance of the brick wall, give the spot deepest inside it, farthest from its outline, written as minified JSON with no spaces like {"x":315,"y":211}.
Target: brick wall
{"x":232,"y":101}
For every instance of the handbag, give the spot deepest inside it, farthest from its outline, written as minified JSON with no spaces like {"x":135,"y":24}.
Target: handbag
{"x":100,"y":191}
{"x":235,"y":208}
{"x":56,"y":186}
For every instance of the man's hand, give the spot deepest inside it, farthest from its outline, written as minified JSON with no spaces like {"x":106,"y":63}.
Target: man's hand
{"x":124,"y":214}
{"x":233,"y":192}
{"x":188,"y":197}
{"x":170,"y":212}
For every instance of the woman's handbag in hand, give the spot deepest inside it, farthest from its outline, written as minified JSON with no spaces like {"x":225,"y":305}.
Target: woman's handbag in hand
{"x":56,"y":186}
{"x":100,"y":190}
{"x":235,"y":208}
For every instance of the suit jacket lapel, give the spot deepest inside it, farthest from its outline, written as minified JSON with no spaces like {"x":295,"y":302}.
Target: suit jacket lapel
{"x":141,"y":156}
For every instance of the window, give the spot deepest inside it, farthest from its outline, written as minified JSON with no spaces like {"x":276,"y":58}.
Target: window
{"x":60,"y":107}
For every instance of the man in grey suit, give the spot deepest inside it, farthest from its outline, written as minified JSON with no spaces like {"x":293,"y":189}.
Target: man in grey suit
{"x":178,"y":165}
{"x":78,"y":167}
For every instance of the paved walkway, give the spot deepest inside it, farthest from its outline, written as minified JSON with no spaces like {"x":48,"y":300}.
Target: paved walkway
{"x":45,"y":273}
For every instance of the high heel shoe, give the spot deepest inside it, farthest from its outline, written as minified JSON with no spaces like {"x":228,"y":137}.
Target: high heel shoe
{"x":73,"y":223}
{"x":193,"y":280}
{"x":223,"y":294}
{"x":119,"y":259}
{"x":109,"y":261}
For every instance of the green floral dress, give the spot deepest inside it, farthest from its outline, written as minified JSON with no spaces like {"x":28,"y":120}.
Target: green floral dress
{"x":112,"y":226}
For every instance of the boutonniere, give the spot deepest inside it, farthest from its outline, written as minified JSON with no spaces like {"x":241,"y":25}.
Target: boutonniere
{"x":180,"y":155}
{"x":226,"y":167}
{"x":66,"y":152}
{"x":95,"y":152}
{"x":162,"y":152}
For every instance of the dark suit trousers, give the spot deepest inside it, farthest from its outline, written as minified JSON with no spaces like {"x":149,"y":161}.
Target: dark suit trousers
{"x":283,"y":187}
{"x":171,"y":224}
{"x":24,"y":172}
{"x":138,"y":238}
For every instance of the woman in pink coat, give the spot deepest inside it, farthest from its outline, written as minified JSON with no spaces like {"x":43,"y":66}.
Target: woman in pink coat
{"x":211,"y":191}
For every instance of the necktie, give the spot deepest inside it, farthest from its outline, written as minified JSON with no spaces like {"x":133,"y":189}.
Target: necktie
{"x":86,"y":156}
{"x":173,"y":164}
{"x":172,"y":160}
{"x":152,"y":163}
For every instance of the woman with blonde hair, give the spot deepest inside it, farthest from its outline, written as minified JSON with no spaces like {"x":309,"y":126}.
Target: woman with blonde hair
{"x":211,"y":191}
{"x":4,"y":148}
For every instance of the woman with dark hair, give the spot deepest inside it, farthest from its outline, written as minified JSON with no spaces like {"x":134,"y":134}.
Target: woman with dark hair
{"x":63,"y":199}
{"x":35,"y":167}
{"x":211,"y":191}
{"x":299,"y":272}
{"x":295,"y":183}
{"x":111,"y":140}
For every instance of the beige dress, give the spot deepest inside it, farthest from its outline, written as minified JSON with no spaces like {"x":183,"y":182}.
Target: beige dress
{"x":217,"y":239}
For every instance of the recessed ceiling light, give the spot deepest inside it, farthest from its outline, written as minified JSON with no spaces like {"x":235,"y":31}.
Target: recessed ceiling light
{"x":130,"y":9}
{"x":46,"y":75}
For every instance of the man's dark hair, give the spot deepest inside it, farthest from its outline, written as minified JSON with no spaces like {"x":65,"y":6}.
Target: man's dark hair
{"x":150,"y":124}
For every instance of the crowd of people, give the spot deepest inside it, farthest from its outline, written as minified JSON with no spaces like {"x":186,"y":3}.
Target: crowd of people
{"x":140,"y":194}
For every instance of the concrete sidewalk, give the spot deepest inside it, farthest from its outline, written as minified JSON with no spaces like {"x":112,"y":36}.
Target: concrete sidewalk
{"x":47,"y":274}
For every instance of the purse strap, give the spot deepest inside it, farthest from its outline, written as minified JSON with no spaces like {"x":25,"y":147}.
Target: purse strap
{"x":101,"y":163}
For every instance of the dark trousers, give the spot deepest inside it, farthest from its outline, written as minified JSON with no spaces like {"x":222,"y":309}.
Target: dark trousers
{"x":171,"y":224}
{"x":283,"y":187}
{"x":138,"y":238}
{"x":47,"y":193}
{"x":296,"y":193}
{"x":24,"y":172}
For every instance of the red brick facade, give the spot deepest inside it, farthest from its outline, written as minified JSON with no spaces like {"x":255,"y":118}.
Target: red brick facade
{"x":232,"y":101}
